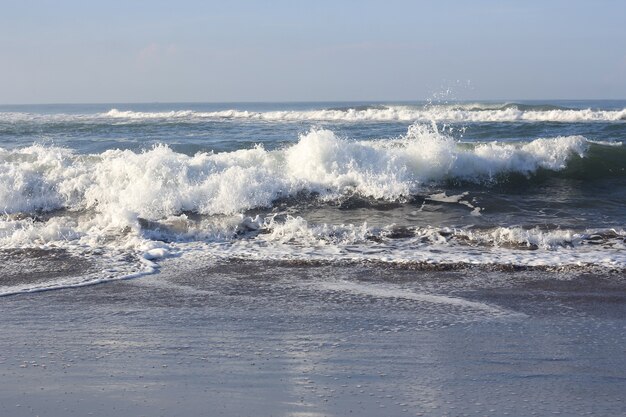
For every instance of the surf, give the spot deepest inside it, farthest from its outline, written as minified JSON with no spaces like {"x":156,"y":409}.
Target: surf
{"x":159,"y":182}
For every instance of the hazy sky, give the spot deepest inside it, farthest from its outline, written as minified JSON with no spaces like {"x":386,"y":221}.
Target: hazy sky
{"x":138,"y":51}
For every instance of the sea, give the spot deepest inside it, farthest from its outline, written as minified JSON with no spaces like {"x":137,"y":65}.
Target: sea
{"x":91,"y":193}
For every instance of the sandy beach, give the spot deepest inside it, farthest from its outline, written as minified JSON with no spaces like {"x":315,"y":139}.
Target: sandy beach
{"x":261,"y":339}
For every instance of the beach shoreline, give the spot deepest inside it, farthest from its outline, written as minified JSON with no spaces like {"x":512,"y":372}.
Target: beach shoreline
{"x":254,"y":338}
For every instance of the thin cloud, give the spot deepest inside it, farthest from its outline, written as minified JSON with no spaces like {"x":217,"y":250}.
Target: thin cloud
{"x":155,"y":54}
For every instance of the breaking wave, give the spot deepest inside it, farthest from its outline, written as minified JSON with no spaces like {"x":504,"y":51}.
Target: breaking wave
{"x":160,"y":182}
{"x":460,"y":113}
{"x":158,"y":202}
{"x":508,"y":113}
{"x":438,"y":113}
{"x":292,"y":238}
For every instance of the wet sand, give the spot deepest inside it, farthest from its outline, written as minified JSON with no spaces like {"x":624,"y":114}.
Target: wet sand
{"x":254,"y":339}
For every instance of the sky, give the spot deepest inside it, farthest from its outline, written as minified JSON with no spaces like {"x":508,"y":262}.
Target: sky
{"x":227,"y":51}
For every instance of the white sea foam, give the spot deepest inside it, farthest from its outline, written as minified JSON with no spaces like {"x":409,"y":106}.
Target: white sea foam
{"x":115,"y":269}
{"x":405,"y":113}
{"x":297,"y":229}
{"x":390,"y":113}
{"x":124,"y":185}
{"x":294,"y":239}
{"x":132,"y":201}
{"x":112,"y":254}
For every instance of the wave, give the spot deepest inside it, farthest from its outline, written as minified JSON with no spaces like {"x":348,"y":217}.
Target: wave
{"x":506,"y":113}
{"x":507,"y":106}
{"x":153,"y":202}
{"x":160,"y":182}
{"x":279,"y":228}
{"x":105,"y":267}
{"x":458,"y":113}
{"x":292,"y":238}
{"x":432,"y":248}
{"x":126,"y":254}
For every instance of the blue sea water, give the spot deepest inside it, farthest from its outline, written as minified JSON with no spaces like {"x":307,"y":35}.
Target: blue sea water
{"x":502,"y":184}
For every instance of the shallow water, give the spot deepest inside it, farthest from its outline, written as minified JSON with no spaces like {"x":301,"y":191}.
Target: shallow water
{"x":258,"y":338}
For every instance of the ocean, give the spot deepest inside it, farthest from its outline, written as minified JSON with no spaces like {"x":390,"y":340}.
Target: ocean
{"x":313,"y":259}
{"x":100,"y":192}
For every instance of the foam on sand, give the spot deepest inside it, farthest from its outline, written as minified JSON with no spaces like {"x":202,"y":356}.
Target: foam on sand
{"x":396,"y":292}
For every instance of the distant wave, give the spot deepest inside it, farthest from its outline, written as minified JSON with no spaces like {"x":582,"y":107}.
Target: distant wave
{"x":470,"y":113}
{"x":506,"y":113}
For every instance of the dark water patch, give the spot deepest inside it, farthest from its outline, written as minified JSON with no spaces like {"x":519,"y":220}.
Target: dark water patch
{"x":305,"y":199}
{"x":360,"y":202}
{"x":514,"y":106}
{"x":521,"y":131}
{"x":32,"y":266}
{"x":600,"y":162}
{"x":399,"y":232}
{"x":580,"y":172}
{"x":302,"y":199}
{"x":534,"y":107}
{"x":436,"y":267}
